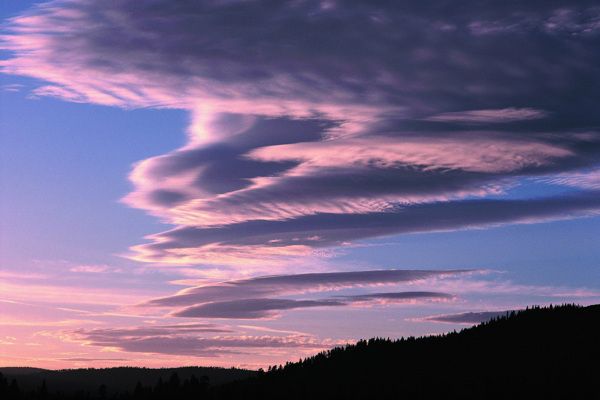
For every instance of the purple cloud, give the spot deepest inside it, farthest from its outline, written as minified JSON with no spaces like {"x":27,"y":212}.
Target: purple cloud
{"x":156,"y":330}
{"x":184,"y":340}
{"x":468,"y":318}
{"x":305,"y":234}
{"x":279,"y":285}
{"x":268,"y":308}
{"x":316,"y":126}
{"x":392,"y":297}
{"x":250,"y":308}
{"x":489,"y":116}
{"x":273,"y":56}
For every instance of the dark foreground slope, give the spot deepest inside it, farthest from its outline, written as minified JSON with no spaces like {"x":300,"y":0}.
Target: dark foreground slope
{"x":549,"y":353}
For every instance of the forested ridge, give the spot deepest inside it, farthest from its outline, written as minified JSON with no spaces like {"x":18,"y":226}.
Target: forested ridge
{"x":549,"y":352}
{"x":114,"y":383}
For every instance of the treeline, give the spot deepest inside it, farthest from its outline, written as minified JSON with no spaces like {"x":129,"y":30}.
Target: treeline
{"x":550,"y":353}
{"x":173,"y":388}
{"x":114,"y":383}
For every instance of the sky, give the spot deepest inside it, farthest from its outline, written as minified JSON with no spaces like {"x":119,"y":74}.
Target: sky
{"x":245,"y":183}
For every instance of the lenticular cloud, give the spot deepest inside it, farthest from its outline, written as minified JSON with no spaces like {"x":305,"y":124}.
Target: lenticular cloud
{"x":315,"y":124}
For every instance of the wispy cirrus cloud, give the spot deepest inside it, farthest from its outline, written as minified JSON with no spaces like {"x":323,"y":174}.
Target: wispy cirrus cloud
{"x":92,"y":269}
{"x":489,"y":116}
{"x":584,"y":179}
{"x":396,"y":297}
{"x":315,"y":126}
{"x":11,"y":88}
{"x":65,"y":295}
{"x":157,"y":330}
{"x":467,"y":318}
{"x":95,"y":360}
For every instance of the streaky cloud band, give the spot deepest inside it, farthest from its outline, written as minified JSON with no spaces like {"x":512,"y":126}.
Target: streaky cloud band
{"x":316,"y":126}
{"x":267,"y":308}
{"x":279,"y":285}
{"x":468,"y":318}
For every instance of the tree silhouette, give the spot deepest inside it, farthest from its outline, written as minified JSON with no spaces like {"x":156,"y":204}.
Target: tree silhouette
{"x":102,"y":391}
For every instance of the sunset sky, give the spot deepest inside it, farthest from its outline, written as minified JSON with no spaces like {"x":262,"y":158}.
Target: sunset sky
{"x":245,"y":183}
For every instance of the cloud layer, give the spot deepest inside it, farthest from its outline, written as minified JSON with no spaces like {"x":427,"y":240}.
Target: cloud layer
{"x":319,"y":123}
{"x":189,"y":340}
{"x":260,"y":297}
{"x":267,"y":308}
{"x":286,"y":285}
{"x":468,"y":318}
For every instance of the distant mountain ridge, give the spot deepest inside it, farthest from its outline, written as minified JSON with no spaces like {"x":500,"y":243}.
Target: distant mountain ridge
{"x":18,"y":371}
{"x":117,"y":380}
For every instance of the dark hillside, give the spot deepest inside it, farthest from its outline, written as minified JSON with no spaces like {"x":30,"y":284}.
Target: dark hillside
{"x":117,"y":381}
{"x":545,"y":353}
{"x":538,"y":353}
{"x":17,"y":371}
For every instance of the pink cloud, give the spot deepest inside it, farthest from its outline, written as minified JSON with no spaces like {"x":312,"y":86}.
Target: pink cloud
{"x":583,"y":179}
{"x":477,"y":152}
{"x":254,"y":259}
{"x":267,"y":197}
{"x":94,"y":269}
{"x":176,"y":341}
{"x":64,"y":295}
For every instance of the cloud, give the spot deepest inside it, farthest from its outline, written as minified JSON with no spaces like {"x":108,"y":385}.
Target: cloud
{"x":261,"y":177}
{"x":565,"y":20}
{"x":583,"y":179}
{"x":396,"y":297}
{"x":9,"y":275}
{"x":92,"y":269}
{"x":154,"y":330}
{"x":254,"y":298}
{"x":268,"y":308}
{"x":187,"y":339}
{"x":276,"y":58}
{"x":82,"y":359}
{"x":468,"y":318}
{"x":250,"y":308}
{"x":280,"y":285}
{"x":489,"y":116}
{"x":273,"y":241}
{"x":11,"y":88}
{"x":65,"y":295}
{"x":312,"y":127}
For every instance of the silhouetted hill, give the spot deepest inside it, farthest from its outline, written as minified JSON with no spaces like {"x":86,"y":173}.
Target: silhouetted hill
{"x":116,"y":380}
{"x":16,"y":371}
{"x":538,"y":353}
{"x":549,"y":353}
